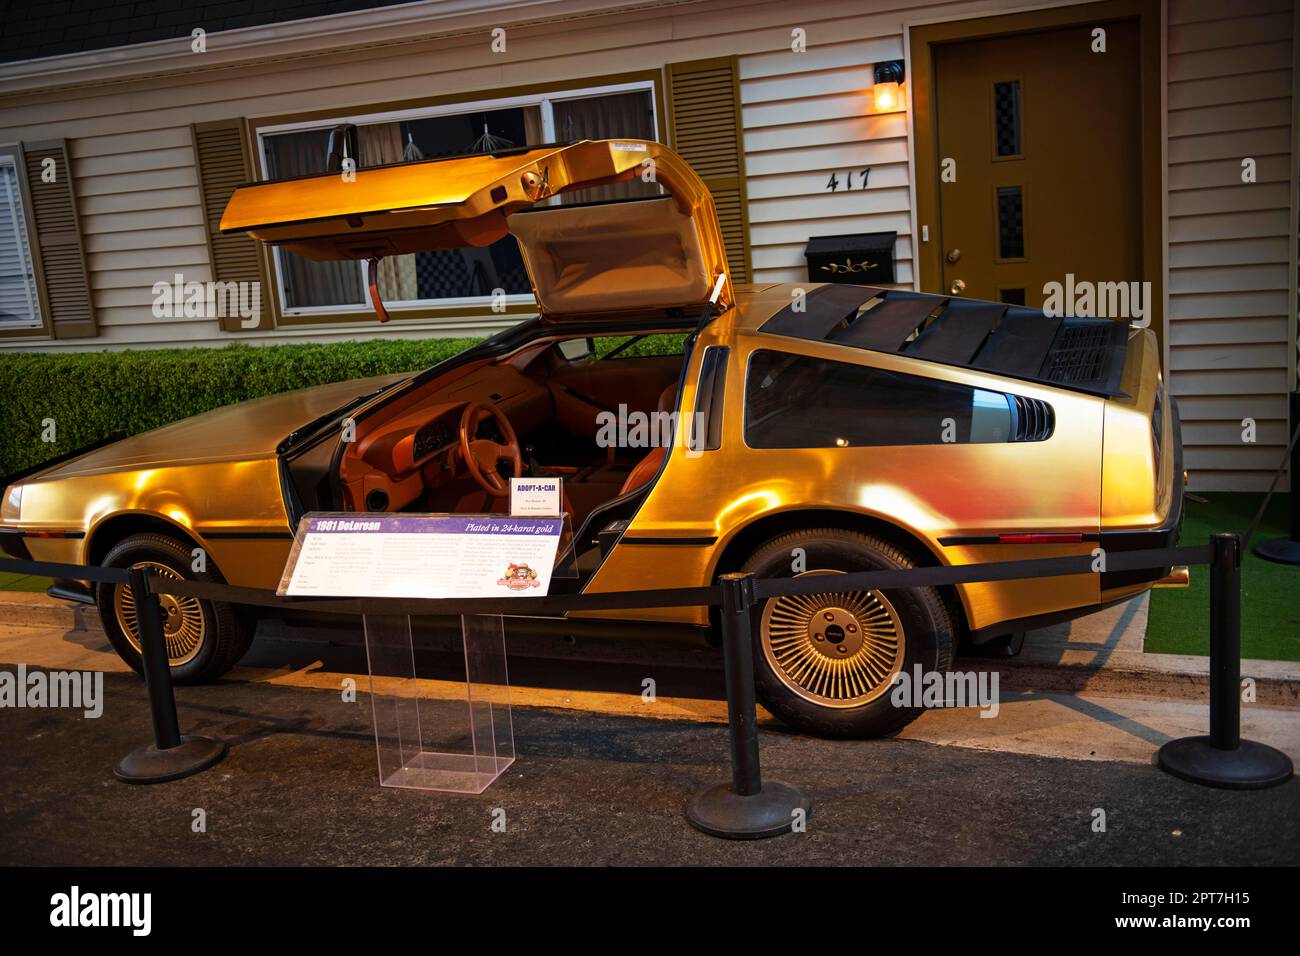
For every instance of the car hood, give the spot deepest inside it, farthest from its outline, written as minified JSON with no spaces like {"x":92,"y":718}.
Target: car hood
{"x":249,"y":429}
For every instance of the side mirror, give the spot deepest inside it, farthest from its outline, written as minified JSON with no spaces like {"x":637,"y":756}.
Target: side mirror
{"x":575,"y":350}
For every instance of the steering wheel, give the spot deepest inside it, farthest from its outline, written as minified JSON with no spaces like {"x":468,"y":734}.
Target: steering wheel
{"x":481,"y":455}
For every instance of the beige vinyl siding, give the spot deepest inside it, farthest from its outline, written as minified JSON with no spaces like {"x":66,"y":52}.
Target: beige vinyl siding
{"x":141,"y":207}
{"x":1230,"y":353}
{"x":805,"y":117}
{"x":808,"y":117}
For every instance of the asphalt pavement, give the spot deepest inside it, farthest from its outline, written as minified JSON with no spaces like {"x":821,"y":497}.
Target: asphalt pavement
{"x":299,"y":786}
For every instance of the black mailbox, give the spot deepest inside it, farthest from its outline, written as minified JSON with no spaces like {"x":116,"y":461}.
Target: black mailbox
{"x":862,"y":258}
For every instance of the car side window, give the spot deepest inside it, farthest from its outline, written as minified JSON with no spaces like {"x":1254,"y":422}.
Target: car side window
{"x":614,"y":347}
{"x":797,"y":401}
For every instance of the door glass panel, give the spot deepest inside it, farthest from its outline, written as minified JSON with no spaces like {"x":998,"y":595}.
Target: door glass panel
{"x":1006,"y":118}
{"x":1011,"y":223}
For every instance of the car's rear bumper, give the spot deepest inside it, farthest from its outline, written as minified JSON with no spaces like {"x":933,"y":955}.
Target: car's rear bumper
{"x":1166,"y":535}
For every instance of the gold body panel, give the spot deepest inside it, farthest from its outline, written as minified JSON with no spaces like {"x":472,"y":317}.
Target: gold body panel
{"x":217,"y":476}
{"x":471,"y":201}
{"x":231,"y":504}
{"x":930,"y":491}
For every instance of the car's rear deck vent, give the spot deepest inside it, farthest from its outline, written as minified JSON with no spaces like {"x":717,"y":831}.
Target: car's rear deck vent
{"x":1034,"y":420}
{"x":1079,"y":355}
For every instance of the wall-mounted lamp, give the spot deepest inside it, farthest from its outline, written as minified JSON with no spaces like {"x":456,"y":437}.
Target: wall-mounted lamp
{"x":888,"y":77}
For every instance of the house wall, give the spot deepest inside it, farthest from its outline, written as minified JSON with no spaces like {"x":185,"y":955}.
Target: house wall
{"x":1230,"y":252}
{"x":137,"y":186}
{"x":1230,"y":315}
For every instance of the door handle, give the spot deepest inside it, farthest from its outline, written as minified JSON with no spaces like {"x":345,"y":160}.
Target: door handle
{"x":958,"y":287}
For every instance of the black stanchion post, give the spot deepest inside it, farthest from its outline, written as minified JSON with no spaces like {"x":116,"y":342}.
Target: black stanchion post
{"x":170,"y":756}
{"x":747,"y":808}
{"x":1223,"y":759}
{"x":1287,"y":550}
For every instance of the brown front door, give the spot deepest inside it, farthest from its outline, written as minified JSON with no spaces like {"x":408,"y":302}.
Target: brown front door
{"x":1046,"y":139}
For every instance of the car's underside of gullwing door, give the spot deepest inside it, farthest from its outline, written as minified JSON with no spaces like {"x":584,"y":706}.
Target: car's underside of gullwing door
{"x":634,"y":258}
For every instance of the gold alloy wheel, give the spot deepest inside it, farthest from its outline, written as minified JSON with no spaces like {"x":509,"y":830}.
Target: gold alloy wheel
{"x":184,"y":627}
{"x":836,"y":650}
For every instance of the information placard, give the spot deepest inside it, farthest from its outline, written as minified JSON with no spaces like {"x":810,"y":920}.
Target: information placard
{"x":421,"y":556}
{"x":542,"y":497}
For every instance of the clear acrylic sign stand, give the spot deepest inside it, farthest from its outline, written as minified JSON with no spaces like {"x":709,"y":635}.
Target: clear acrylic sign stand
{"x":432,"y":733}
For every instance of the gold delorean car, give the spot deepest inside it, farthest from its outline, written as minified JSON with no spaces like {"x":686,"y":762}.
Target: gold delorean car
{"x":819,"y":429}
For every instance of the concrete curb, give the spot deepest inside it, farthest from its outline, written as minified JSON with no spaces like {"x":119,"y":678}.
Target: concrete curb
{"x":35,"y":609}
{"x":1171,"y":675}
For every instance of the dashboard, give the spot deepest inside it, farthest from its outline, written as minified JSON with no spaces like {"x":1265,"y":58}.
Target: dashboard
{"x":411,"y":449}
{"x":436,"y":435}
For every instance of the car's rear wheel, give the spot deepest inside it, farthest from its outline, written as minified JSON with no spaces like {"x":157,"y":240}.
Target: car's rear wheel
{"x":825,"y":663}
{"x":204,"y":638}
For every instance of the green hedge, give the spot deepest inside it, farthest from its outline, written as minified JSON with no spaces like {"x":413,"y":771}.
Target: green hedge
{"x":92,"y":394}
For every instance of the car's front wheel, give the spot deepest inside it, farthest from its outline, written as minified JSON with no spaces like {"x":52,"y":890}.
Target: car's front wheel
{"x":825,"y":663}
{"x":204,"y":638}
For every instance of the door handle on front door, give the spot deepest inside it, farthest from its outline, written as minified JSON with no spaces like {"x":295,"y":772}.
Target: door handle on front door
{"x":958,"y":287}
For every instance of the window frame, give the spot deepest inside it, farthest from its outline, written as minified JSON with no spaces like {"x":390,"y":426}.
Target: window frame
{"x":13,"y":153}
{"x":542,"y":96}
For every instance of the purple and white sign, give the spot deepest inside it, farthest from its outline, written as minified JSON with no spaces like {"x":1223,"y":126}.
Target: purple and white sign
{"x":421,"y":556}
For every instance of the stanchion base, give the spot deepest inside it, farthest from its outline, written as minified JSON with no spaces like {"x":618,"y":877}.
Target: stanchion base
{"x":720,"y":812}
{"x":151,"y":765}
{"x":1252,"y":766}
{"x":1279,"y":550}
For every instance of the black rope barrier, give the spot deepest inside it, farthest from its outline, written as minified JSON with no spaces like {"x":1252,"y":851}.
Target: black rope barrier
{"x":1283,"y":550}
{"x":171,"y":756}
{"x":1223,"y":759}
{"x":925,"y":576}
{"x":745,"y":808}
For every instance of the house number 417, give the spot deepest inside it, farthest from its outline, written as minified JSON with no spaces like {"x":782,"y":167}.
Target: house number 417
{"x":835,"y":182}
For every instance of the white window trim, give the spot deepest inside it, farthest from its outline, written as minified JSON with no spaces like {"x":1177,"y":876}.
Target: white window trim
{"x":21,"y":241}
{"x":544,"y":103}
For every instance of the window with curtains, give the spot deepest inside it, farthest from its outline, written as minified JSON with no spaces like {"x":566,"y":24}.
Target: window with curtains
{"x":455,"y":276}
{"x":19,"y":303}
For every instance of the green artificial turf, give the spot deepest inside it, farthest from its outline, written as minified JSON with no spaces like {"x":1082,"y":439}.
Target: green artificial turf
{"x":22,"y":582}
{"x":1270,"y":626}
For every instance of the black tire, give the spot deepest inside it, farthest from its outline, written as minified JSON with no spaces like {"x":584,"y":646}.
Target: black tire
{"x":928,"y":636}
{"x":225,"y":635}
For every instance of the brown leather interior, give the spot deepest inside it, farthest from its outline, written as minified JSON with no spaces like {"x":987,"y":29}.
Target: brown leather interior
{"x":582,"y":389}
{"x":649,"y":466}
{"x":408,"y":455}
{"x":645,"y":469}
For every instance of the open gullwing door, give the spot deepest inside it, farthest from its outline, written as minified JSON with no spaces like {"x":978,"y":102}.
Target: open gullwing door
{"x":649,"y":255}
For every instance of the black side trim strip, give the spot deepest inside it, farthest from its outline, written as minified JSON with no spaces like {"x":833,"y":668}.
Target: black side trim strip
{"x":691,"y":541}
{"x":248,"y":535}
{"x":41,"y":532}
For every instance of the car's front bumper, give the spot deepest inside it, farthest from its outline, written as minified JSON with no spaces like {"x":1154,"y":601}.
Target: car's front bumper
{"x":13,"y":543}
